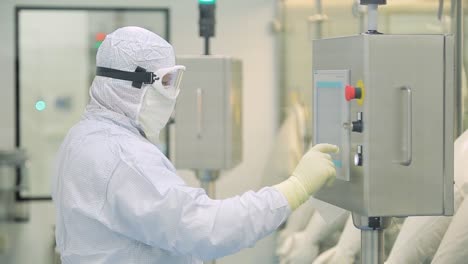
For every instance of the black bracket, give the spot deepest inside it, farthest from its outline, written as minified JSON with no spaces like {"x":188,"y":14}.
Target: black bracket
{"x":373,"y":2}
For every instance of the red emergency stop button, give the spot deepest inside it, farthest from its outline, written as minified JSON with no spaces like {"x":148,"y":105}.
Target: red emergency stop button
{"x":352,"y":92}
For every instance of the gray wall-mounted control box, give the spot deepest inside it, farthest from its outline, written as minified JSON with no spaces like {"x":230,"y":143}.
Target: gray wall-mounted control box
{"x":388,"y":102}
{"x":209,"y":114}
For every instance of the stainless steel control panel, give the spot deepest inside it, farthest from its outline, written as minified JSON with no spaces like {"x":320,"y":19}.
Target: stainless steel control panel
{"x":388,"y":102}
{"x":208,"y":114}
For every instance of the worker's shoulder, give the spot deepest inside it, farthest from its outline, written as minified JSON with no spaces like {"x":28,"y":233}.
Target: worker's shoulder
{"x":94,"y":133}
{"x":100,"y":139}
{"x":89,"y":141}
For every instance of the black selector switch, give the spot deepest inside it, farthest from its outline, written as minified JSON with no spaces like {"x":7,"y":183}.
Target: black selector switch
{"x":358,"y":126}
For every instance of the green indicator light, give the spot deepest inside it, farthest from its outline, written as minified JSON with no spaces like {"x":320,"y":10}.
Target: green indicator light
{"x":207,"y":2}
{"x":97,"y":44}
{"x":40,"y":105}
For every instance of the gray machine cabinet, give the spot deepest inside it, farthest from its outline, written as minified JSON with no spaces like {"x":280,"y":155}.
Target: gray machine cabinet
{"x":408,"y":122}
{"x":209,"y":114}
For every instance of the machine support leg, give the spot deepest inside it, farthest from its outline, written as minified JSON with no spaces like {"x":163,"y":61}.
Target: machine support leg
{"x":209,"y":187}
{"x":372,"y":243}
{"x":207,"y":180}
{"x":372,"y":246}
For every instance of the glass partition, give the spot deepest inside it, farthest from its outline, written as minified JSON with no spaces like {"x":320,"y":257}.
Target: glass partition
{"x":56,"y":65}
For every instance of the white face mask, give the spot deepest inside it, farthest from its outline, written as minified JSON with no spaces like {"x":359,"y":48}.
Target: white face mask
{"x":159,"y":101}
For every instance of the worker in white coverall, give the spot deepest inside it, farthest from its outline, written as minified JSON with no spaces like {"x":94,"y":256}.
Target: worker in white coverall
{"x":118,"y":199}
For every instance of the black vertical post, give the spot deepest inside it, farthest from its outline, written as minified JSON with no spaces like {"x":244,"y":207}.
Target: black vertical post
{"x":207,"y":23}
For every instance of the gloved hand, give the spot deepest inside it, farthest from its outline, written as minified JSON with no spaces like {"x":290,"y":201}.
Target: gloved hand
{"x":313,"y":171}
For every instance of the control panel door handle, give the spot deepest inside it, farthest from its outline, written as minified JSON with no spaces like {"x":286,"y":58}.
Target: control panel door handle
{"x":199,"y":112}
{"x":408,"y":157}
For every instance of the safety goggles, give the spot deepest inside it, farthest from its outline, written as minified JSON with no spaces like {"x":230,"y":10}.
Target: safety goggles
{"x":167,"y":77}
{"x":170,"y":77}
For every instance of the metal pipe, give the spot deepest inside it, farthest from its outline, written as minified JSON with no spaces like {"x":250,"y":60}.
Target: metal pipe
{"x":372,"y":246}
{"x":318,"y":6}
{"x":372,"y":243}
{"x":209,"y":187}
{"x":280,"y":28}
{"x":207,"y":45}
{"x":359,"y":12}
{"x":372,"y":17}
{"x":440,"y":11}
{"x":319,"y":24}
{"x":207,"y":180}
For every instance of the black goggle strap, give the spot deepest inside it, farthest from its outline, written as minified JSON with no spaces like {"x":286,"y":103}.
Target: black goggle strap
{"x":138,"y":78}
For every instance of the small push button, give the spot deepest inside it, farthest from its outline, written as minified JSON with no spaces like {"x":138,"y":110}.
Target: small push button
{"x":358,"y":156}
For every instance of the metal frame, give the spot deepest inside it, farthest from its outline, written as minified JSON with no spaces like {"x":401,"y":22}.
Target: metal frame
{"x":18,"y":8}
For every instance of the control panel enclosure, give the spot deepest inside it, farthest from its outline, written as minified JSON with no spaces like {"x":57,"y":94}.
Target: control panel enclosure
{"x":208,"y":114}
{"x":396,"y":132}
